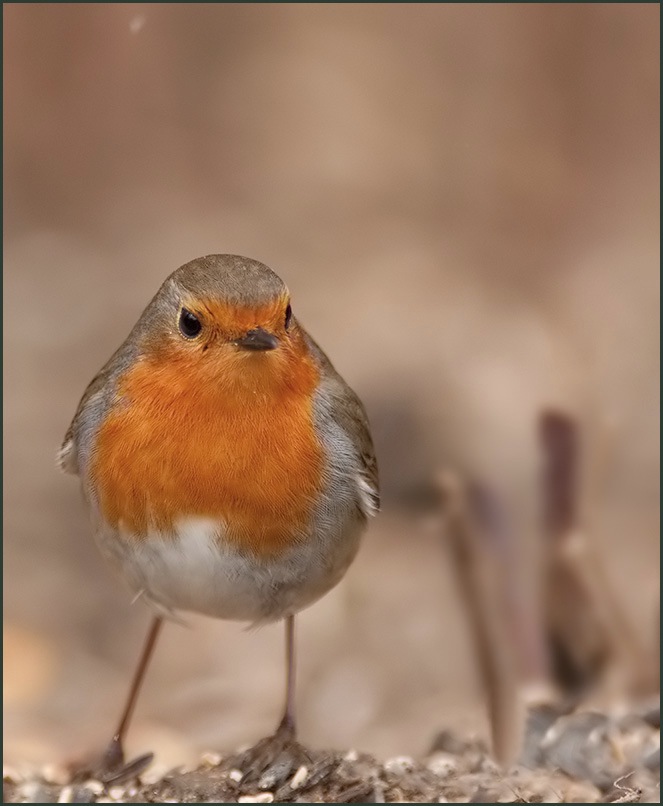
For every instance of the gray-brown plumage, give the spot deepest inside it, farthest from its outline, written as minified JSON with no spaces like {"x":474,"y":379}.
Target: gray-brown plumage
{"x":228,"y":467}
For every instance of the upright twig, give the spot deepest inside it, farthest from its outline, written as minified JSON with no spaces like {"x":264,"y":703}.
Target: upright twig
{"x":522,"y":621}
{"x":479,"y":583}
{"x":586,"y":624}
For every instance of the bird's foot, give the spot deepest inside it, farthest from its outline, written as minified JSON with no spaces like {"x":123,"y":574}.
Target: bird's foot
{"x":272,"y":760}
{"x":111,"y":768}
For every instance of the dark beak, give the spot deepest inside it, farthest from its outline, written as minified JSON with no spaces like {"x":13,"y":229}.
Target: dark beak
{"x":257,"y":339}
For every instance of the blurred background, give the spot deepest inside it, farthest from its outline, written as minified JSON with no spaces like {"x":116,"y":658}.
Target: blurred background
{"x":464,"y":202}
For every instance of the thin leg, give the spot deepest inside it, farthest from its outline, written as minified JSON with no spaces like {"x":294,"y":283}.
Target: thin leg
{"x":280,"y":752}
{"x":114,"y":755}
{"x":287,"y":724}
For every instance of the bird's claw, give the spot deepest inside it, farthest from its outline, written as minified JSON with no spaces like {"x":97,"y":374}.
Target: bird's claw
{"x":111,"y":769}
{"x":271,"y":761}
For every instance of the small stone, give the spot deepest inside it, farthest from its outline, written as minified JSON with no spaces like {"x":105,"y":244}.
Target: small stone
{"x":116,"y":792}
{"x":262,"y":797}
{"x":399,"y":765}
{"x":66,"y":794}
{"x":96,"y":787}
{"x":299,"y":778}
{"x":351,"y":755}
{"x":235,"y":775}
{"x":442,"y":764}
{"x":55,"y":774}
{"x":83,"y":795}
{"x":211,"y":759}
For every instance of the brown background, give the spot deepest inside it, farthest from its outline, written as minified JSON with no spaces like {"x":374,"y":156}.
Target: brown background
{"x":464,"y":201}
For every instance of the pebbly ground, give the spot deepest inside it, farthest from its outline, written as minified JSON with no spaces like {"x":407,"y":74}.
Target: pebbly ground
{"x":588,"y":757}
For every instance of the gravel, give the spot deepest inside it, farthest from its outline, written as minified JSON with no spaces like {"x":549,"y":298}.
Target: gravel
{"x":586,"y":757}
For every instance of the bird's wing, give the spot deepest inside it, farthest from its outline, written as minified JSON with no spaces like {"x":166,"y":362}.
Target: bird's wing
{"x":349,"y":413}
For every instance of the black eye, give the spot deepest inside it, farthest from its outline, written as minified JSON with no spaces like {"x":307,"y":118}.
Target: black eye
{"x":190,"y":325}
{"x":288,"y":316}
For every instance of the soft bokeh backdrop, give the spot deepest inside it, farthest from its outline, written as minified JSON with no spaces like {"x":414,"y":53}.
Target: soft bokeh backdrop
{"x":464,"y":201}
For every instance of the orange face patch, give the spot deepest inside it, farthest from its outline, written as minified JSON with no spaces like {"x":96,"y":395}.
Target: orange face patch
{"x":224,"y":321}
{"x":218,"y":433}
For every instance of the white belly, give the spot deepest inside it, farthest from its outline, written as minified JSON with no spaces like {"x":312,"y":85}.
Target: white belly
{"x":199,"y":572}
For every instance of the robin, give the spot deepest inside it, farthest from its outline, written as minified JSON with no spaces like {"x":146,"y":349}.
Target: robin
{"x":228,"y":468}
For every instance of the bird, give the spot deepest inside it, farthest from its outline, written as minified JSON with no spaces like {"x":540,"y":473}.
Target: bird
{"x":227,"y":467}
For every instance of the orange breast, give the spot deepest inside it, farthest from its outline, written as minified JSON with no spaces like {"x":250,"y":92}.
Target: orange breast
{"x":180,"y":443}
